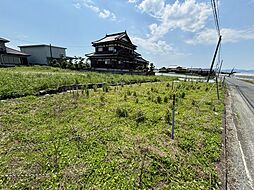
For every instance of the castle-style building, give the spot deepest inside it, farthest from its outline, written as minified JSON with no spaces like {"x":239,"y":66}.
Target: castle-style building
{"x":116,"y":52}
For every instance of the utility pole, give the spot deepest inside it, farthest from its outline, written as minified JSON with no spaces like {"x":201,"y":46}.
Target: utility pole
{"x":232,"y":72}
{"x":214,"y":57}
{"x":50,"y":49}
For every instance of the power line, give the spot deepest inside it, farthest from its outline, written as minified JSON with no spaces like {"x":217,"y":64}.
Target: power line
{"x":217,"y":54}
{"x":216,"y":16}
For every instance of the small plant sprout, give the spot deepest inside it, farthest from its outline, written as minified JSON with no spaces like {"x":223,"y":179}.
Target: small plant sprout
{"x":183,"y":95}
{"x":95,"y":88}
{"x":165,"y":99}
{"x":159,"y":100}
{"x":102,"y":98}
{"x":125,"y":97}
{"x":105,"y":88}
{"x":121,"y":112}
{"x":87,"y":92}
{"x":128,"y":93}
{"x":140,"y":116}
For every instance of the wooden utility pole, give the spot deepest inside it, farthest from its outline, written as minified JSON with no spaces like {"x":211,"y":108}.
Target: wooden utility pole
{"x":214,"y":57}
{"x":50,"y":49}
{"x":232,"y":72}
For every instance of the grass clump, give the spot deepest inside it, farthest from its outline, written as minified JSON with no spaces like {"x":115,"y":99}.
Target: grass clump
{"x":121,"y":112}
{"x":159,"y":100}
{"x":139,"y":116}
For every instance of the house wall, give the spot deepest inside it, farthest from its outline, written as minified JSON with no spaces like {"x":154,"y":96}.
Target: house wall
{"x":56,"y":52}
{"x":2,"y":47}
{"x":40,"y":54}
{"x":6,"y":59}
{"x":37,"y":55}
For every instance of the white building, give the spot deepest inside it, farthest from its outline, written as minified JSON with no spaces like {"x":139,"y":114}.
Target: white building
{"x":42,"y":54}
{"x":11,"y":57}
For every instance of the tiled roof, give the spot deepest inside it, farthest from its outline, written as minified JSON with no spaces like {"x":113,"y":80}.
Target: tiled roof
{"x":111,"y":37}
{"x":4,"y":40}
{"x":141,"y":59}
{"x":100,"y":55}
{"x":15,"y":52}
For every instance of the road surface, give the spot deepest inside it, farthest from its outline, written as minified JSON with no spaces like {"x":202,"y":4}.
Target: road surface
{"x":240,"y":134}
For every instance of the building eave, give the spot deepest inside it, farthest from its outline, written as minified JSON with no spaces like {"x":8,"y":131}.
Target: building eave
{"x":40,"y":45}
{"x":10,"y":51}
{"x":4,"y":40}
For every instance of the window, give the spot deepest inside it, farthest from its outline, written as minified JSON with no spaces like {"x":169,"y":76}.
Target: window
{"x":107,"y":61}
{"x":100,"y":49}
{"x":111,"y":48}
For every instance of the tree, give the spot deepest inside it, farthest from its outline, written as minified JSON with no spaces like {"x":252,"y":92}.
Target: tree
{"x":151,"y":68}
{"x":62,"y":62}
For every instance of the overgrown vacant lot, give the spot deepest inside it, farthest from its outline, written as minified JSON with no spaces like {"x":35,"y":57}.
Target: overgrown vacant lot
{"x":22,"y":81}
{"x":112,"y":138}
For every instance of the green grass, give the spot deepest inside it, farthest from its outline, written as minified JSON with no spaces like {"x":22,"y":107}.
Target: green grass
{"x":112,"y":140}
{"x":23,"y":81}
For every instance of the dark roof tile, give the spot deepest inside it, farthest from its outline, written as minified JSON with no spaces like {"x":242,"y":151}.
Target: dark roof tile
{"x":4,"y":40}
{"x":15,"y":52}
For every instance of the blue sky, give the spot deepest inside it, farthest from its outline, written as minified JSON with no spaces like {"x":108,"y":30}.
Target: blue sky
{"x":167,"y":32}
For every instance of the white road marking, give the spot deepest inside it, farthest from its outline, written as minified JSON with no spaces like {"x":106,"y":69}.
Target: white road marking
{"x":250,"y":181}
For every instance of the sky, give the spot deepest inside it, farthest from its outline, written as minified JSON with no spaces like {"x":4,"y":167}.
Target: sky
{"x":167,"y":32}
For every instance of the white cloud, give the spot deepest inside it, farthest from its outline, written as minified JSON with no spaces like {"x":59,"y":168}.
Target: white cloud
{"x":102,"y":13}
{"x":153,"y":7}
{"x":190,"y":16}
{"x":209,"y":36}
{"x":133,"y":1}
{"x":77,"y":5}
{"x":153,"y":46}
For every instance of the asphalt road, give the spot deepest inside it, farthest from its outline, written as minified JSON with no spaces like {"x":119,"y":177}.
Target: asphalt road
{"x":240,"y":134}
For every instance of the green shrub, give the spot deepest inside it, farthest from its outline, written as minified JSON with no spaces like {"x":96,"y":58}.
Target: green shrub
{"x":105,"y":88}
